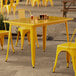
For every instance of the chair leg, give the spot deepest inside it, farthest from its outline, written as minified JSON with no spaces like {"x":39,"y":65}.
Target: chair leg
{"x":27,"y":2}
{"x":39,"y":3}
{"x":43,"y":2}
{"x":64,"y":13}
{"x":12,"y":44}
{"x":34,"y":3}
{"x":36,"y":39}
{"x":68,"y":56}
{"x":46,"y":2}
{"x":8,"y":9}
{"x":2,"y":41}
{"x":28,"y":36}
{"x":14,"y":9}
{"x":17,"y":38}
{"x":55,"y":61}
{"x":74,"y":64}
{"x":68,"y":59}
{"x":9,"y":36}
{"x":22,"y":40}
{"x":51,"y":2}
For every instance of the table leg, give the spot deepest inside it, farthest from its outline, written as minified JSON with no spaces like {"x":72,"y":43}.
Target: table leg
{"x":9,"y":36}
{"x":44,"y":37}
{"x":32,"y":34}
{"x":68,"y":56}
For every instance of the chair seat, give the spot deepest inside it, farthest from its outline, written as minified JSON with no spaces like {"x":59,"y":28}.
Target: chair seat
{"x":70,"y":45}
{"x":70,"y":48}
{"x":4,"y":32}
{"x":23,"y":29}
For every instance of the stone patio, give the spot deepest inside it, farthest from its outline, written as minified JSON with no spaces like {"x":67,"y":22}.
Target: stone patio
{"x":19,"y":63}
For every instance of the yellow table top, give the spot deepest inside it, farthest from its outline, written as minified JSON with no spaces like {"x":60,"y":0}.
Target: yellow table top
{"x":35,"y":22}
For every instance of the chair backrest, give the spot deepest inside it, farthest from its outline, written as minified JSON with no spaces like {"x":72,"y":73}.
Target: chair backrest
{"x":73,"y":35}
{"x":21,"y":13}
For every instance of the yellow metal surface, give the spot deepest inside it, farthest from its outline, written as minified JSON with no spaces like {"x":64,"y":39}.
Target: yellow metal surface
{"x":32,"y":24}
{"x":28,"y":22}
{"x":70,"y":48}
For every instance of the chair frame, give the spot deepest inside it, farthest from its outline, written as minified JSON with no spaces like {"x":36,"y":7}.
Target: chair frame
{"x":9,"y":6}
{"x":70,"y":50}
{"x":25,"y":31}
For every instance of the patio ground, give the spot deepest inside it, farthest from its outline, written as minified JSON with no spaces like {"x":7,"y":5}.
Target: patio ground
{"x":19,"y":63}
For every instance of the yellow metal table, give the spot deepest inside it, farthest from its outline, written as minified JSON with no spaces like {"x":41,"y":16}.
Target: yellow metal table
{"x":32,"y":25}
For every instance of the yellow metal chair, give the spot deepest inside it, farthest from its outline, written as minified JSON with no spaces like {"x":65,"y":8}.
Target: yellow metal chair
{"x":4,"y":33}
{"x":46,"y":2}
{"x":70,"y":48}
{"x":4,"y":6}
{"x":7,"y":6}
{"x":13,"y":4}
{"x":24,"y":30}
